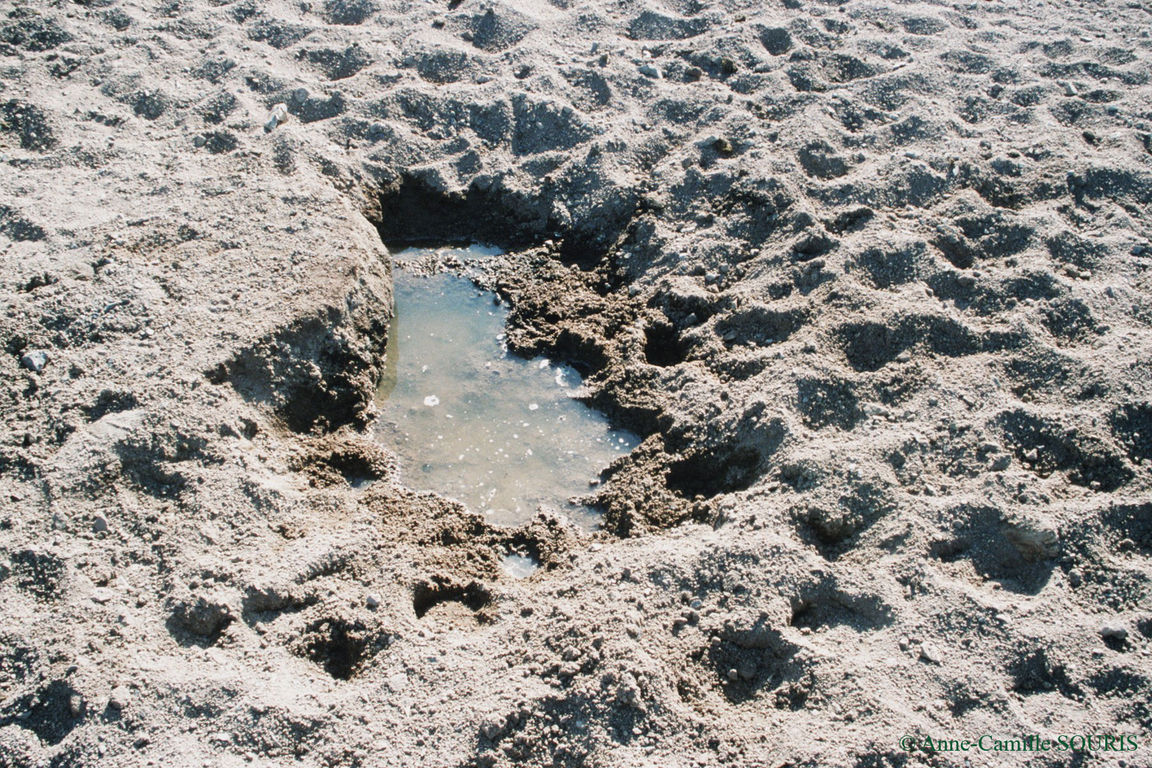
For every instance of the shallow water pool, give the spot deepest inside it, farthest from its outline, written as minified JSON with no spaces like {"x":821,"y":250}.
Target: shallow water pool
{"x":470,"y":420}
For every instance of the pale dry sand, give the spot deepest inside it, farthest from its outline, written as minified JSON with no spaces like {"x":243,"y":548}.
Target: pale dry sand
{"x":871,"y":279}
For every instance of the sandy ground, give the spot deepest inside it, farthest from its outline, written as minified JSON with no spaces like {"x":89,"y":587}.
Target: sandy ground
{"x":872,"y":280}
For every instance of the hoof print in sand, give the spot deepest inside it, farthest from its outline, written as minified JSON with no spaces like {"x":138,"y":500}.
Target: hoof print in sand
{"x":746,"y":660}
{"x":1045,"y":446}
{"x":276,"y":33}
{"x":51,"y":712}
{"x":29,"y":123}
{"x":149,"y":104}
{"x":341,"y":646}
{"x":32,"y":31}
{"x":347,"y":12}
{"x":338,"y":64}
{"x":18,"y":228}
{"x":664,"y":346}
{"x":498,"y":29}
{"x":442,"y":601}
{"x":40,"y":574}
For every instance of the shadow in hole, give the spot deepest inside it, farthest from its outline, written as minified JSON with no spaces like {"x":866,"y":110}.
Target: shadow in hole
{"x":341,"y":646}
{"x":979,"y":538}
{"x":428,"y":595}
{"x":412,"y":213}
{"x":47,"y":712}
{"x":663,"y":345}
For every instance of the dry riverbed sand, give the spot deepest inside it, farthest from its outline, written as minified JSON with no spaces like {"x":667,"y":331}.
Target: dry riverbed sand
{"x":873,"y":280}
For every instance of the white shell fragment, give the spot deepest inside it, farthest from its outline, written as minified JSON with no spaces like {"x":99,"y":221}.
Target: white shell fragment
{"x":278,"y":115}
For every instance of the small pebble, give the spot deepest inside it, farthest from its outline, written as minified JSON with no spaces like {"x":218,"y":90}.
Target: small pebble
{"x":119,"y":698}
{"x":35,"y":360}
{"x":930,"y":653}
{"x":99,"y":524}
{"x":372,"y":601}
{"x":1113,"y":630}
{"x":278,"y":114}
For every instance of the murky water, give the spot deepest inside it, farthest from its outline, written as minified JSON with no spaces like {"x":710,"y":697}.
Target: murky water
{"x":519,"y":566}
{"x":474,"y":422}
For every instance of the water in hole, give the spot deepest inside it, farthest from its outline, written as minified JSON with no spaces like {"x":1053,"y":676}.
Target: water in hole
{"x":474,"y":422}
{"x":519,"y":566}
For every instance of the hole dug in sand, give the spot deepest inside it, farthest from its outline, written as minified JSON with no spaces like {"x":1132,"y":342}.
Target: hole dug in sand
{"x":571,"y":287}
